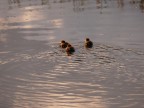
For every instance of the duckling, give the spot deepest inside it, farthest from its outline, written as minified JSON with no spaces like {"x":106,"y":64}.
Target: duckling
{"x":88,"y":43}
{"x":63,"y":44}
{"x":70,"y":49}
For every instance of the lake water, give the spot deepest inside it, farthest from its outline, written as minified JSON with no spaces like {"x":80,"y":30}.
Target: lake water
{"x":36,"y":73}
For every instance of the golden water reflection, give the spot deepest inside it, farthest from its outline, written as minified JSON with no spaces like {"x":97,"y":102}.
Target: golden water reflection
{"x":33,"y":84}
{"x":28,"y":16}
{"x":23,"y":17}
{"x":44,"y":95}
{"x":58,"y":23}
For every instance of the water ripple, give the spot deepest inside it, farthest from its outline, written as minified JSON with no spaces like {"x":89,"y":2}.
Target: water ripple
{"x":50,"y":78}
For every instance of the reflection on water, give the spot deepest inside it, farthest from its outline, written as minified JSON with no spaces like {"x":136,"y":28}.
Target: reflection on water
{"x":120,"y":3}
{"x":36,"y":73}
{"x":79,"y":5}
{"x":101,"y":77}
{"x":142,"y":5}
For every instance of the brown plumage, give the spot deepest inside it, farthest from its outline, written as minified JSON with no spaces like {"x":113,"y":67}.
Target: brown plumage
{"x":70,"y":49}
{"x":63,"y":44}
{"x":88,"y":43}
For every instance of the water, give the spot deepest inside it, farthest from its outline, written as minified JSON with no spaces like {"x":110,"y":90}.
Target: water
{"x":36,"y":73}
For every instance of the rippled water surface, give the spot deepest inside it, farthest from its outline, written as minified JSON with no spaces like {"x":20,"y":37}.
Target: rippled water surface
{"x":36,"y":73}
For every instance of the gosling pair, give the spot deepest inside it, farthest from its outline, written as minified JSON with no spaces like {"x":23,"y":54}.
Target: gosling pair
{"x":70,"y":49}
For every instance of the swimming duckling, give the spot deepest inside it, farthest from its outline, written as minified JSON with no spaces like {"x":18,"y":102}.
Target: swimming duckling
{"x":88,"y":43}
{"x":63,"y":44}
{"x":70,"y":49}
